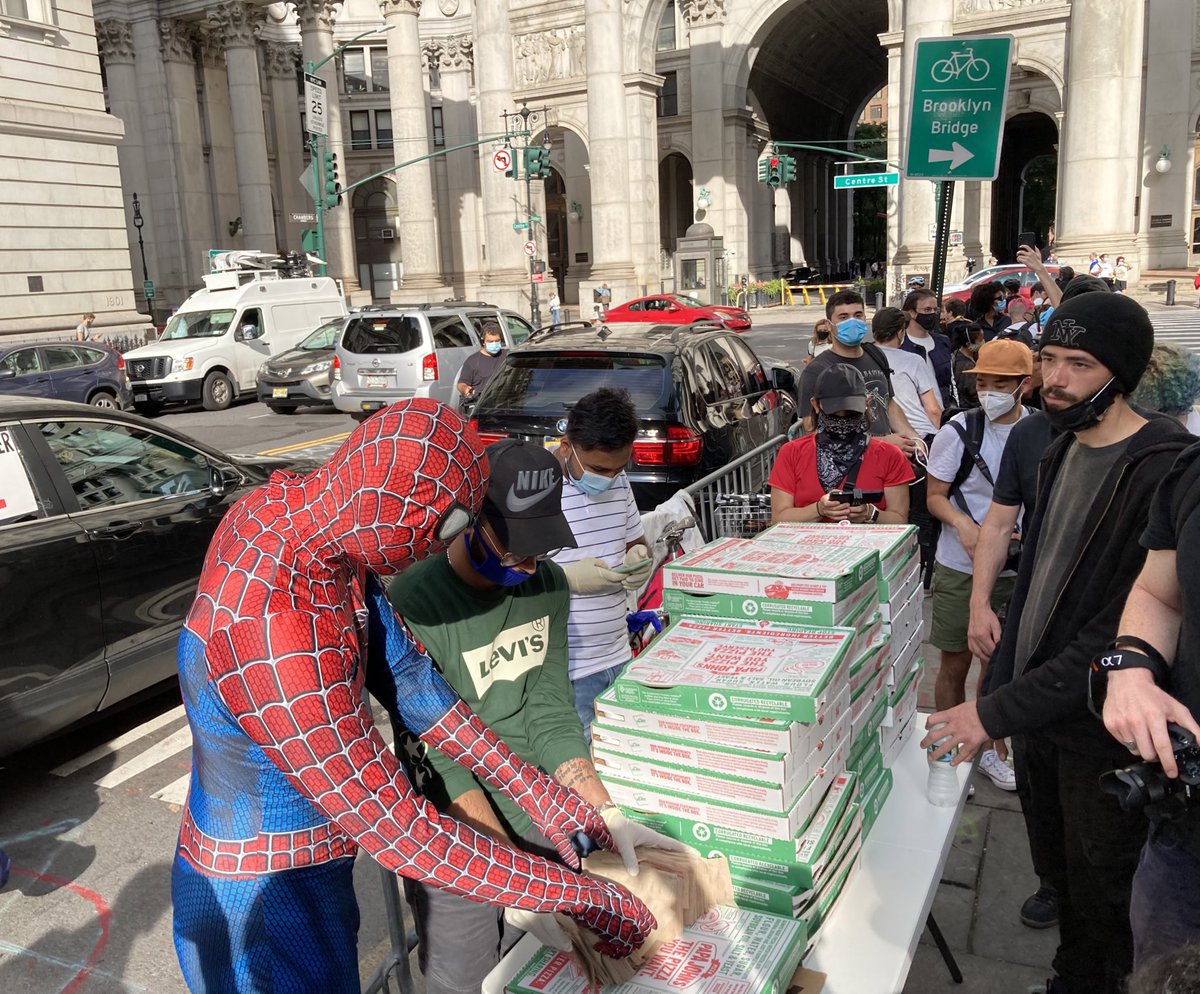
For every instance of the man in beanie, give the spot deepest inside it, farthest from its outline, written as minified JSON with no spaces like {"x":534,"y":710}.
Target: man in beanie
{"x":1080,"y":558}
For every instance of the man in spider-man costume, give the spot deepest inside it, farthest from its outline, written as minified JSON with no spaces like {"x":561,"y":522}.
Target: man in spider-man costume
{"x":289,"y":774}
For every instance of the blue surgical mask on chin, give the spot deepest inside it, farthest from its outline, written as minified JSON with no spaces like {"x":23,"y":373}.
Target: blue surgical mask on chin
{"x":490,"y":568}
{"x":1000,"y":306}
{"x":592,"y":484}
{"x":851,"y":331}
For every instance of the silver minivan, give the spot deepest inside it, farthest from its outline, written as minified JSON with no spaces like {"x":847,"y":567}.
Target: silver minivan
{"x":393,"y":352}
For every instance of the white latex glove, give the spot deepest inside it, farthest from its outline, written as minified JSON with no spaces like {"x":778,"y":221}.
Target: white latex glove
{"x":637,"y":555}
{"x":629,"y":834}
{"x":544,"y":927}
{"x":592,"y":576}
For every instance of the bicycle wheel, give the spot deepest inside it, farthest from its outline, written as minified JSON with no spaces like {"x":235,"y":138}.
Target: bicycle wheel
{"x":977,"y":70}
{"x":942,"y":71}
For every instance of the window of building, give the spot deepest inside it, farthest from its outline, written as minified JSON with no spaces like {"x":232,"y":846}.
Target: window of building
{"x":354,"y":71}
{"x":876,"y":112}
{"x":666,"y":30}
{"x":379,"y":69}
{"x":360,"y":129}
{"x":29,"y":10}
{"x":1196,"y":193}
{"x":668,"y":96}
{"x":383,"y":129}
{"x":439,"y":128}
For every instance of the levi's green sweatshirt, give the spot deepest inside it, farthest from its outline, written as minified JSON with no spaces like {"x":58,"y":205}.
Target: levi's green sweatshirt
{"x":505,"y":651}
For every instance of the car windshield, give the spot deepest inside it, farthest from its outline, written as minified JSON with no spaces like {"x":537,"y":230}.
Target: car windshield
{"x":679,"y":298}
{"x":323,"y":337}
{"x":546,"y":383}
{"x":198,"y":324}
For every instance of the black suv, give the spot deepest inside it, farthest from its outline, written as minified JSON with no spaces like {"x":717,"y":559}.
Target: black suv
{"x":703,"y":396}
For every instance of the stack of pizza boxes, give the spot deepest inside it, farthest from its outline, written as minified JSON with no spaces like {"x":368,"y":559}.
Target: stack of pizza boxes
{"x":733,"y":731}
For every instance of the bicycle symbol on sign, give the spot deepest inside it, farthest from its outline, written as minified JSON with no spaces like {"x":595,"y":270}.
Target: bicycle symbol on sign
{"x":958,"y":64}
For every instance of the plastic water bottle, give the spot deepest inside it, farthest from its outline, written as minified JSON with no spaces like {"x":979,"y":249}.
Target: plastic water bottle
{"x":942,"y":788}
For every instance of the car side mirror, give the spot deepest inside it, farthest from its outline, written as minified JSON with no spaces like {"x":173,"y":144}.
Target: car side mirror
{"x":783,"y":379}
{"x":7,"y":372}
{"x":221,"y":479}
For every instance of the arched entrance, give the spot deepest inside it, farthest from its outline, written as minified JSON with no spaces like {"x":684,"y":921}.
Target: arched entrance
{"x":375,"y":244}
{"x":674,"y":199}
{"x":558,"y":242}
{"x":566,"y":208}
{"x":1024,"y":193}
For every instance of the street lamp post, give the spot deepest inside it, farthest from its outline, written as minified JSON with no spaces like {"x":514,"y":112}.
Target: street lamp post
{"x":138,"y":221}
{"x":514,"y":129}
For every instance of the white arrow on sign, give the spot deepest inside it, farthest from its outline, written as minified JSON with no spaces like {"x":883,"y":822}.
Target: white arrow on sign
{"x":956,"y":155}
{"x":530,"y":248}
{"x":501,"y":159}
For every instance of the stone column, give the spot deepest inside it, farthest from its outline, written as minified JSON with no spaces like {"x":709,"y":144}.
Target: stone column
{"x":608,"y":151}
{"x":282,"y":62}
{"x":316,"y":18}
{"x":1167,"y":123}
{"x":189,"y":184}
{"x":462,"y":234}
{"x":410,"y":131}
{"x":241,"y":24}
{"x":1100,"y":142}
{"x":115,"y":41}
{"x":642,"y":157}
{"x":225,"y":202}
{"x":706,"y":67}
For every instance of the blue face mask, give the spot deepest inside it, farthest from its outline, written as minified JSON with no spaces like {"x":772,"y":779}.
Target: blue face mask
{"x":999,"y":305}
{"x":592,"y":484}
{"x":490,"y":568}
{"x":851,"y":331}
{"x":493,"y":347}
{"x":1045,"y":316}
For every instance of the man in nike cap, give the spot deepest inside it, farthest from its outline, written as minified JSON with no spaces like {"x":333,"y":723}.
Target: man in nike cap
{"x":492,"y":613}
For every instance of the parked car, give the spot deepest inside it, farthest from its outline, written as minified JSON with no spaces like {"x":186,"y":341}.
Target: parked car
{"x":105,"y":519}
{"x":88,"y":373}
{"x":702,"y":395}
{"x":678,"y":308}
{"x":996,"y":274}
{"x":806,"y":276}
{"x":301,"y":377}
{"x":392,"y":352}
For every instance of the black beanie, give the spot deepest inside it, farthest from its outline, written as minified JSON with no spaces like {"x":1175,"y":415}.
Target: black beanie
{"x":1110,"y":326}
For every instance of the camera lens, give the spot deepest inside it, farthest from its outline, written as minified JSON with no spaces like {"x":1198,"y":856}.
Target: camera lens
{"x":1136,"y":786}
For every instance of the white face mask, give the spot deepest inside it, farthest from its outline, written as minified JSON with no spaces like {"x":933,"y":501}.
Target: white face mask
{"x":996,"y":404}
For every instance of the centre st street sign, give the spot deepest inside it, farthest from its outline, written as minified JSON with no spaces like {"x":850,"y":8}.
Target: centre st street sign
{"x":959,"y":87}
{"x":855,"y":180}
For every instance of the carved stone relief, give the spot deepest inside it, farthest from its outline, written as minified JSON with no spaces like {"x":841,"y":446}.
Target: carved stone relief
{"x":282,"y":60}
{"x":240,"y":22}
{"x":177,"y":40}
{"x":316,"y":14}
{"x":968,"y":7}
{"x":115,"y":39}
{"x":542,"y":56}
{"x":702,"y":11}
{"x":458,"y":52}
{"x":399,"y":7}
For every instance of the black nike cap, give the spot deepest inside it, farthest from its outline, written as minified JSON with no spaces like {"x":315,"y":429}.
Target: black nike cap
{"x":523,"y":503}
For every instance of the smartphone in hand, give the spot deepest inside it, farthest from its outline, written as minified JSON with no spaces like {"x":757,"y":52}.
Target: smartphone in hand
{"x":856,"y":498}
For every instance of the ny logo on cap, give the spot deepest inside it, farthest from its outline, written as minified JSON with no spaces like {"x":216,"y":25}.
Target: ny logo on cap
{"x":1066,"y":332}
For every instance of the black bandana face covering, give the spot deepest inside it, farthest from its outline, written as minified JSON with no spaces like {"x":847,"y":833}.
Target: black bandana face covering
{"x":1087,"y":413}
{"x":841,"y":441}
{"x":840,"y":426}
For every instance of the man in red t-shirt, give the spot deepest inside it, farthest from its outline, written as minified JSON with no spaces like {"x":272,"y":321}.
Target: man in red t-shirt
{"x":840,"y":455}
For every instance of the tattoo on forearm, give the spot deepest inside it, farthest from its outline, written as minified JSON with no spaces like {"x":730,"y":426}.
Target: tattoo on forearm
{"x":574,"y":772}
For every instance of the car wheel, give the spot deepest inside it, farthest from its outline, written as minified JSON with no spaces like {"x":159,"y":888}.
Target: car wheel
{"x":147,"y":410}
{"x":104,"y":400}
{"x":218,"y":391}
{"x":283,"y":408}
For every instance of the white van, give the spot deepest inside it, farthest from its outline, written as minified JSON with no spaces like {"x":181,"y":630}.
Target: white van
{"x":214,"y":344}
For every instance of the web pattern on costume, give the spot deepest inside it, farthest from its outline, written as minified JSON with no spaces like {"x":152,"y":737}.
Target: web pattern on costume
{"x":289,"y":772}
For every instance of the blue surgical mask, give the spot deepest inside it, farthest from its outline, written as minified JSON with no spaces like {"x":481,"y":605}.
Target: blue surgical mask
{"x":999,"y":305}
{"x":851,"y":331}
{"x":1046,"y":315}
{"x":493,"y":347}
{"x":490,"y":568}
{"x":592,"y":484}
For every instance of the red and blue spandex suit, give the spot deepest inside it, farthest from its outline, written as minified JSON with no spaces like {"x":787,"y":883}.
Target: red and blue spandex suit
{"x":290,"y":776}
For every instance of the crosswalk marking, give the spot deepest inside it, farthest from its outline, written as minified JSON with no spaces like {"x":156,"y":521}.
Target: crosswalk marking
{"x":176,"y":792}
{"x":157,"y":753}
{"x":108,"y":748}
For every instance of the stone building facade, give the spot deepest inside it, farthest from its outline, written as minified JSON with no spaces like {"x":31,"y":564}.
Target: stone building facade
{"x":647,"y":105}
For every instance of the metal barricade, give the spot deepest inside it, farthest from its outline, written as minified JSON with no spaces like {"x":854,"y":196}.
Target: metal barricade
{"x":735,"y":499}
{"x":394,"y":973}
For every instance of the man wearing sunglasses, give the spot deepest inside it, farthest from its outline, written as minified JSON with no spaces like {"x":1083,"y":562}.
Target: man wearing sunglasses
{"x":492,"y":613}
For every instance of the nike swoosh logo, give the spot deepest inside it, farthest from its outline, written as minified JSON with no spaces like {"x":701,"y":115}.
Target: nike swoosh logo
{"x":518,"y":504}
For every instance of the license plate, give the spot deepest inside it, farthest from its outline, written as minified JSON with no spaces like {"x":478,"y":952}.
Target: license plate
{"x":279,"y":391}
{"x":377,"y":381}
{"x":140,"y":396}
{"x":551,"y":441}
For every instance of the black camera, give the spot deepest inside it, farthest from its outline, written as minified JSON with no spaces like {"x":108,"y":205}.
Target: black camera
{"x":1145,"y":785}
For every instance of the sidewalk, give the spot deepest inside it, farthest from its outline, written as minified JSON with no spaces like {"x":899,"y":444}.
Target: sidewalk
{"x":987,"y":877}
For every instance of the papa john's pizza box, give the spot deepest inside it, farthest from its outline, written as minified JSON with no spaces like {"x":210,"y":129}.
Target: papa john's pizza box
{"x":908,"y":620}
{"x":869,"y":630}
{"x":749,"y":779}
{"x":727,"y":951}
{"x":737,"y":578}
{"x":867,"y":666}
{"x":759,"y":734}
{"x":873,"y":796}
{"x":904,"y":661}
{"x":894,"y":543}
{"x":752,"y":669}
{"x":902,"y":701}
{"x":825,"y":901}
{"x":897,"y":589}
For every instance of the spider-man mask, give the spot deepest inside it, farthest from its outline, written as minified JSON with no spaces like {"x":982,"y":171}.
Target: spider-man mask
{"x":405,"y":483}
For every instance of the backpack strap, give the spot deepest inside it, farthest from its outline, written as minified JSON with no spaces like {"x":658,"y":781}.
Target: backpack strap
{"x":972,"y":442}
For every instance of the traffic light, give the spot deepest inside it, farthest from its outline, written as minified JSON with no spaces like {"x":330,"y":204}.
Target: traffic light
{"x":787,"y":168}
{"x":330,"y":186}
{"x":773,"y":171}
{"x":762,"y":170}
{"x":539,"y":265}
{"x":537,"y":162}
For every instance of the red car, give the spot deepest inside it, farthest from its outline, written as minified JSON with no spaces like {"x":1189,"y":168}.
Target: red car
{"x":675,"y":308}
{"x":995,"y":274}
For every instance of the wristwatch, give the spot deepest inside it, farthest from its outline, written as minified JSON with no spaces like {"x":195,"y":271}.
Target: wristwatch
{"x":874,"y":515}
{"x":1126,"y":652}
